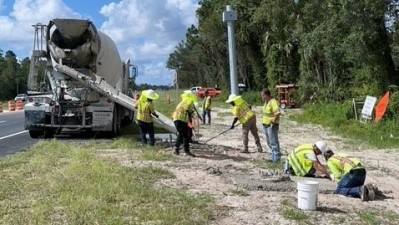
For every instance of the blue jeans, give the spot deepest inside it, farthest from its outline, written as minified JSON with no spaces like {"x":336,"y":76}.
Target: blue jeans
{"x":350,"y":184}
{"x":204,"y":113}
{"x":271,"y":135}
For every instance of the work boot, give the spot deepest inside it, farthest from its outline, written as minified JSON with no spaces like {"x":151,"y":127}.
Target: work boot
{"x":372,"y":191}
{"x":364,"y":193}
{"x":176,"y":151}
{"x":245,"y":151}
{"x":189,"y":154}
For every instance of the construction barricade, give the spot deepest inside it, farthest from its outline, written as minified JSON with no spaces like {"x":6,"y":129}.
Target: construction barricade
{"x":19,"y":105}
{"x":11,"y":105}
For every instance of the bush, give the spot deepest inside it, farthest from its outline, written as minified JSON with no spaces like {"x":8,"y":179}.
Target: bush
{"x":334,"y":116}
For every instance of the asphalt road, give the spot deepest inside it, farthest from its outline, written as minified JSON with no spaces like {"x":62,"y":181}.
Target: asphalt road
{"x":13,"y":137}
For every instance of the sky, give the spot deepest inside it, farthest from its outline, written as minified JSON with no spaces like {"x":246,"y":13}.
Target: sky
{"x":145,"y":31}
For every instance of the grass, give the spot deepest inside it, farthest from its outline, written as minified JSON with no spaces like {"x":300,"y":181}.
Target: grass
{"x":289,"y":211}
{"x":267,"y":165}
{"x":151,"y":154}
{"x":239,"y":192}
{"x":378,"y":216}
{"x":337,"y":117}
{"x":58,"y":183}
{"x":369,"y":217}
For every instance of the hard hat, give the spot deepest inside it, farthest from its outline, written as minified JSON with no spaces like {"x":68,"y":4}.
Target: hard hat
{"x":322,"y":146}
{"x":150,"y":94}
{"x":232,"y":98}
{"x":190,"y":95}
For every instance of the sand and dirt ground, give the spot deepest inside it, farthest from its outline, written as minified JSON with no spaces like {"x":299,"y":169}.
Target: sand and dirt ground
{"x":244,"y":195}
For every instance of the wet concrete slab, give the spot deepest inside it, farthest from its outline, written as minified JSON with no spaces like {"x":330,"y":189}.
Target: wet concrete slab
{"x":277,"y":182}
{"x":325,"y":185}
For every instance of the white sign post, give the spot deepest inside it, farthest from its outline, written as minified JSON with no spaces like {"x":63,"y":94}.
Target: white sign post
{"x":367,"y":110}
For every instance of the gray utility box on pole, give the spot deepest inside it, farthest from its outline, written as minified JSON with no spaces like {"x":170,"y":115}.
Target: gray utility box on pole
{"x":229,"y":16}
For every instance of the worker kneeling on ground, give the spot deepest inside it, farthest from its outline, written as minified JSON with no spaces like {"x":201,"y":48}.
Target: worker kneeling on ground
{"x":181,"y":117}
{"x":303,"y":160}
{"x":247,"y":118}
{"x":350,"y":174}
{"x":145,"y":110}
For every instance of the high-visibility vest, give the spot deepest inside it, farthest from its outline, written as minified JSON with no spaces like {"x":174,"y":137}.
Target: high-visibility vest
{"x":182,"y":111}
{"x":340,"y":164}
{"x":269,"y":110}
{"x":298,"y":160}
{"x":242,"y":112}
{"x":207,"y":104}
{"x":144,"y":110}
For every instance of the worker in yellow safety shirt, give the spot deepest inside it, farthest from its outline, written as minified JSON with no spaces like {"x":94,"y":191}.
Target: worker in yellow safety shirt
{"x":206,"y":107}
{"x":271,"y":123}
{"x":243,"y":113}
{"x":350,"y":174}
{"x":145,"y":111}
{"x":193,"y":115}
{"x":303,"y":161}
{"x":181,"y":117}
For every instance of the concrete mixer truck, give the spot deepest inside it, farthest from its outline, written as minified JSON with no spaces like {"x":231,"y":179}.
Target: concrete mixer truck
{"x":61,"y":101}
{"x":86,"y":84}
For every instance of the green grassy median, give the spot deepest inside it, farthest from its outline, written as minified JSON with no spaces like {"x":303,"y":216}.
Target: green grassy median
{"x":67,"y":183}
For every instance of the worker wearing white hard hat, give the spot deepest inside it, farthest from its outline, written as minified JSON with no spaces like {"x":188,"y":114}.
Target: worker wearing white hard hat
{"x":303,"y":161}
{"x":243,"y":113}
{"x":145,"y":111}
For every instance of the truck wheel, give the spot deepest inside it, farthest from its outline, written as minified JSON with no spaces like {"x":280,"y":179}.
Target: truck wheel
{"x":35,"y":133}
{"x":116,"y":122}
{"x":49,"y":133}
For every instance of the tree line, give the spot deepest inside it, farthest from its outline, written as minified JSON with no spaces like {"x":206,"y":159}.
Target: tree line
{"x":13,"y":75}
{"x":336,"y":49}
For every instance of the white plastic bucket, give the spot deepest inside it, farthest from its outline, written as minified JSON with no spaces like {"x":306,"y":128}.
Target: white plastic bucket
{"x":307,"y":194}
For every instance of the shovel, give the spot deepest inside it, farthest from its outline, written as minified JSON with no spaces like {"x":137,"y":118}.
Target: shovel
{"x":225,"y":131}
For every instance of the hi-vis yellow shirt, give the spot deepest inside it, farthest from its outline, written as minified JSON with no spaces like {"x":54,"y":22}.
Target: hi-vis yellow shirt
{"x":270,"y":109}
{"x":207,"y":104}
{"x":299,"y":161}
{"x":144,"y":110}
{"x":182,"y":110}
{"x":243,"y":112}
{"x":340,"y":164}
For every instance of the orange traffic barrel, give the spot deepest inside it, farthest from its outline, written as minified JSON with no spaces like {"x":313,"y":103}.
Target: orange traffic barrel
{"x":11,"y":105}
{"x":19,"y":105}
{"x":1,"y":107}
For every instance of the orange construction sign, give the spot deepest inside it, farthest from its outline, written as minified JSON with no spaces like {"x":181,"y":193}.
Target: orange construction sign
{"x":381,"y":107}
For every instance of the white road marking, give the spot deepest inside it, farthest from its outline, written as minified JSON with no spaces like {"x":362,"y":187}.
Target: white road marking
{"x":3,"y":121}
{"x":12,"y":135}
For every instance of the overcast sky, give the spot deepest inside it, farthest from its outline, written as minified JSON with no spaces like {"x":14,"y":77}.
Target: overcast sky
{"x":146,"y":31}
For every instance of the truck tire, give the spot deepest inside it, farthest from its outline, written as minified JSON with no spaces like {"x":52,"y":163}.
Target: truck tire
{"x":35,"y":133}
{"x":116,"y":122}
{"x":49,"y":133}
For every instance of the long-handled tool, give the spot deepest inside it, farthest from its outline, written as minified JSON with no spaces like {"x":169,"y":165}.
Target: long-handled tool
{"x":225,"y":131}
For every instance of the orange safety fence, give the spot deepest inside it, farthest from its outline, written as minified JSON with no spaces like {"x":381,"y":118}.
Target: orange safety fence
{"x":11,"y":105}
{"x":19,"y":105}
